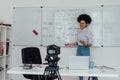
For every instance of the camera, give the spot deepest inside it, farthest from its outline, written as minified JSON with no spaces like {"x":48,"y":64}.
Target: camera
{"x":52,"y":55}
{"x":53,"y":50}
{"x":51,"y":71}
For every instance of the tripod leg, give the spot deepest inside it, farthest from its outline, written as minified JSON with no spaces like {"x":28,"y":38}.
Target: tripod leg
{"x":58,"y":74}
{"x":38,"y":77}
{"x":33,"y":78}
{"x":45,"y":75}
{"x":89,"y":78}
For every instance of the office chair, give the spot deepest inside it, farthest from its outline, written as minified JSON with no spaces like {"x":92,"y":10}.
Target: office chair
{"x":92,"y":78}
{"x":31,"y":55}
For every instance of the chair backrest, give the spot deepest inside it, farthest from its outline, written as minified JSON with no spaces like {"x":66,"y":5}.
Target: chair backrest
{"x":31,"y":55}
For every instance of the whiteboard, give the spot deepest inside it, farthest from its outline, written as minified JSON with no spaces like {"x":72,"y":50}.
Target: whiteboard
{"x":27,"y":19}
{"x":60,"y":26}
{"x":54,"y":25}
{"x":111,"y":22}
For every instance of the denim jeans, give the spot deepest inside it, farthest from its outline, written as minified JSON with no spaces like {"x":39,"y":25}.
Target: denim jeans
{"x":82,"y":51}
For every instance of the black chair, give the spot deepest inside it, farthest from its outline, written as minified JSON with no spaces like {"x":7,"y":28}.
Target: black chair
{"x":93,"y":78}
{"x":31,"y":55}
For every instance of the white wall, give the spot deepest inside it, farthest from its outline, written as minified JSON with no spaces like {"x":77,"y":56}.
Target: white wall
{"x":102,"y":56}
{"x":6,"y":11}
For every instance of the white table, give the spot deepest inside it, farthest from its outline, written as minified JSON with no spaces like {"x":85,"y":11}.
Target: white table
{"x":65,"y":72}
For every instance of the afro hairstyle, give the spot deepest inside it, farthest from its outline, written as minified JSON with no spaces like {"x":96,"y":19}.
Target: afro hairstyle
{"x":84,"y":17}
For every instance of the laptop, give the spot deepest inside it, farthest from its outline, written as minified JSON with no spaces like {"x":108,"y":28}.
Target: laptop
{"x":79,"y":62}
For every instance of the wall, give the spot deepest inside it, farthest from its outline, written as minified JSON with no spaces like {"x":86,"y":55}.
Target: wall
{"x":102,"y":56}
{"x":6,"y":11}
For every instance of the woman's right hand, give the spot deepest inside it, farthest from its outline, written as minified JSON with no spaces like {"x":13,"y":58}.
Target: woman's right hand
{"x":68,"y":44}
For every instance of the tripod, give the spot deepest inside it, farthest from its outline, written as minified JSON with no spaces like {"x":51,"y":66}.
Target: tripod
{"x":52,"y":73}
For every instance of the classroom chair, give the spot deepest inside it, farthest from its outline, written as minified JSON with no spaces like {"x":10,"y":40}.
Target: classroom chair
{"x":31,"y":55}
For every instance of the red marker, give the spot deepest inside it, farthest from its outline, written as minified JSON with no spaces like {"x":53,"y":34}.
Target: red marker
{"x":35,"y":32}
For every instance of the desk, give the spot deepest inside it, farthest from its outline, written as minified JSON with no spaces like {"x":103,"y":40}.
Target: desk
{"x":65,"y":72}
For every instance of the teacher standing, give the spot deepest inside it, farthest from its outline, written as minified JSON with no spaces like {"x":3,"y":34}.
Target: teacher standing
{"x":84,"y":37}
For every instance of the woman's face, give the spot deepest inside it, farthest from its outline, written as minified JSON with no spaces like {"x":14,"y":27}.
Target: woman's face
{"x":83,"y":24}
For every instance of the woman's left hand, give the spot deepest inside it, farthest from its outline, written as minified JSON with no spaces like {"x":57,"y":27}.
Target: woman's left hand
{"x":83,"y":42}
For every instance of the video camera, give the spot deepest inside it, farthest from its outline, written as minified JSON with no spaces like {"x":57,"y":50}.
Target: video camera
{"x":53,"y":50}
{"x":52,"y":55}
{"x":51,"y":71}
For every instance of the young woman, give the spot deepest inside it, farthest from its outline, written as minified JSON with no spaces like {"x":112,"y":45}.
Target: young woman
{"x":84,"y":37}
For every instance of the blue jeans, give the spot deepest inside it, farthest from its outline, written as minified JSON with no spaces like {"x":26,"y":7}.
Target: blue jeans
{"x":82,"y":51}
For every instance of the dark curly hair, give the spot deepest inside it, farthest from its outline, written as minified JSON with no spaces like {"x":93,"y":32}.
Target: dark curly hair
{"x":84,"y":17}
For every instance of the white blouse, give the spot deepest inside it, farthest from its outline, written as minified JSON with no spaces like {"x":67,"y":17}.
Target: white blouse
{"x":84,"y":35}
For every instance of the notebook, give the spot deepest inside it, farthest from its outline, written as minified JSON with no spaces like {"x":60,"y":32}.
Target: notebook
{"x":78,"y":62}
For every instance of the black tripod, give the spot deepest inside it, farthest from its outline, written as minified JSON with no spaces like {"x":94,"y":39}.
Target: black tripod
{"x":52,"y":73}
